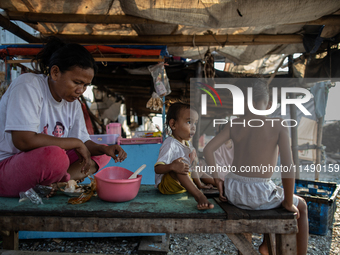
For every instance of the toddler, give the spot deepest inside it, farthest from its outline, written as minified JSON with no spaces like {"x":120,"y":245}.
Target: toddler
{"x":176,"y":155}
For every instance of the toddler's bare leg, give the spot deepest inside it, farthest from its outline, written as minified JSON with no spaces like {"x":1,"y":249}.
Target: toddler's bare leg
{"x":75,"y":170}
{"x":186,"y":182}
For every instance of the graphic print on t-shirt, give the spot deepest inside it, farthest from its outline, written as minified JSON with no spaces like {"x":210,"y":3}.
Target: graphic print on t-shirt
{"x":45,"y":129}
{"x":58,"y":129}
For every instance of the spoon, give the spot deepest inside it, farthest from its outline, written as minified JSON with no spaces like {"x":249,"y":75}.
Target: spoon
{"x":134,"y":175}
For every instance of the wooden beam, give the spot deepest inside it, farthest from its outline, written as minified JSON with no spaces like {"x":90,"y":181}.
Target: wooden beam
{"x":147,"y":225}
{"x":184,"y":40}
{"x":16,"y":30}
{"x":15,"y":61}
{"x":32,"y":17}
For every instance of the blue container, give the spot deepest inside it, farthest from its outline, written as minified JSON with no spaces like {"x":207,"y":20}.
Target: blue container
{"x":321,"y":201}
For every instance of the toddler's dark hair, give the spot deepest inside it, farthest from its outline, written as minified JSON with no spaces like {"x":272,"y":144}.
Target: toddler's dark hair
{"x":174,"y":110}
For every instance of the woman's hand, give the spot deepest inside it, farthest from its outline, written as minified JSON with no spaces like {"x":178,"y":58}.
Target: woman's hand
{"x":116,"y":152}
{"x":84,"y":156}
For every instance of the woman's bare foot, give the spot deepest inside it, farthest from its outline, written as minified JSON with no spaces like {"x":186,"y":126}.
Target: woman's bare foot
{"x":80,"y":181}
{"x":203,"y":203}
{"x":53,"y":190}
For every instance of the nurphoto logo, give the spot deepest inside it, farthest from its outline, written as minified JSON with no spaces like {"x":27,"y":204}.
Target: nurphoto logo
{"x":234,"y":95}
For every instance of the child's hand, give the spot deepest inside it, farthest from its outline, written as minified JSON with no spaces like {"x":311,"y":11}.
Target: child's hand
{"x":291,"y":208}
{"x":219,"y":184}
{"x":178,"y":166}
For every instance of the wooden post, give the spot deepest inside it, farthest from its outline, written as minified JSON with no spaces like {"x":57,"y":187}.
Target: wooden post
{"x":197,"y":103}
{"x":163,"y":109}
{"x":318,"y":146}
{"x":293,"y":130}
{"x":286,"y":244}
{"x":10,"y":240}
{"x":294,"y":139}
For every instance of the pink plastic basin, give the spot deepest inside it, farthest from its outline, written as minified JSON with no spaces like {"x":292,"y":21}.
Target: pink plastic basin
{"x":113,"y":184}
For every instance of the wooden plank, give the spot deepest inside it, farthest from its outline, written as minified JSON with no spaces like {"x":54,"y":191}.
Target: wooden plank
{"x":11,"y":241}
{"x":286,"y":244}
{"x":146,"y":225}
{"x":149,"y":203}
{"x":287,"y":226}
{"x":33,"y":17}
{"x":137,"y":225}
{"x":278,"y":213}
{"x":249,"y":237}
{"x":16,"y":30}
{"x":242,"y":244}
{"x":233,"y":213}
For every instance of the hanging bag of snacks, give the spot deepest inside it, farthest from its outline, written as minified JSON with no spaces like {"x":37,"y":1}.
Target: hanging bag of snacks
{"x":160,"y":79}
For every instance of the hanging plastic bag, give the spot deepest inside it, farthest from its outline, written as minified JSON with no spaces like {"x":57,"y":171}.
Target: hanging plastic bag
{"x":31,"y":195}
{"x":155,"y":102}
{"x":160,"y":79}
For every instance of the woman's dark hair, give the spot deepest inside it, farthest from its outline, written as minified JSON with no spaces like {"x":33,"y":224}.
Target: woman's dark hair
{"x":65,"y":56}
{"x":174,"y":111}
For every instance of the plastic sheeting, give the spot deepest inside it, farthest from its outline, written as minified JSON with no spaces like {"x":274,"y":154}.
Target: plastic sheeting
{"x":190,"y":17}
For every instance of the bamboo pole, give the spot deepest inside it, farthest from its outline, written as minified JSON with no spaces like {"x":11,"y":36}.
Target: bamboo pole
{"x":184,"y":40}
{"x":318,"y":146}
{"x":293,"y":130}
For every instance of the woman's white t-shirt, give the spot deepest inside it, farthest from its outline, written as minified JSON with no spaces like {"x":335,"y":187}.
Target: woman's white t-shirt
{"x":28,"y":105}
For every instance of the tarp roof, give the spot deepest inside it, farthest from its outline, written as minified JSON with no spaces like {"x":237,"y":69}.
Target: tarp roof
{"x":241,"y":31}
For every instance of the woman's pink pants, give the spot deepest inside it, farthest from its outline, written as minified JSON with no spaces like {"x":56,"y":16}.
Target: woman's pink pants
{"x":44,"y":166}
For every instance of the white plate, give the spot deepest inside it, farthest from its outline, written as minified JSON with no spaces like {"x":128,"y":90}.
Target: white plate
{"x":72,"y":194}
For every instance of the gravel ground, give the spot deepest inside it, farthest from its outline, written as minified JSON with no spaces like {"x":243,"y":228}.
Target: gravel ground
{"x":187,"y":243}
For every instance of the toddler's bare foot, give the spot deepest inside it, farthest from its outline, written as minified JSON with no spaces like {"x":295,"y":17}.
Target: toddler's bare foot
{"x":203,"y":203}
{"x":263,"y":249}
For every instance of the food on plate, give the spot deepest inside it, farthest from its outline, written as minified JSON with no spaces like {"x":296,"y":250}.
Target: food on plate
{"x":72,"y":187}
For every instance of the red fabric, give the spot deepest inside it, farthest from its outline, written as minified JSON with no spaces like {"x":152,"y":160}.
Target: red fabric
{"x":87,"y":118}
{"x":91,"y":48}
{"x":45,"y":165}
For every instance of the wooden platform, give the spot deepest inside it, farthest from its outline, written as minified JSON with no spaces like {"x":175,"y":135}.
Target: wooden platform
{"x":149,"y":212}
